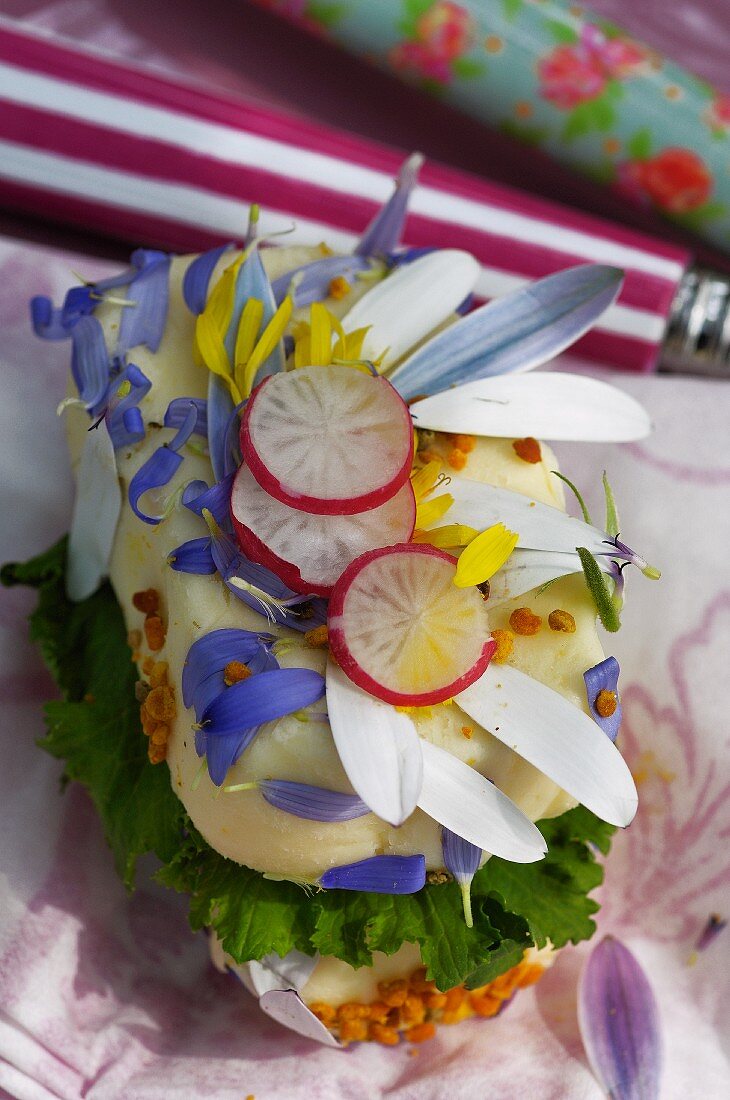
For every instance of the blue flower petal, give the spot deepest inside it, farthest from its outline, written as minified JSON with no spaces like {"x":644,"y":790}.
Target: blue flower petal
{"x":384,"y":232}
{"x":145,"y":321}
{"x":197,"y":278}
{"x":220,"y":411}
{"x":604,"y":677}
{"x":378,"y":875}
{"x":222,"y":752}
{"x":157,"y":471}
{"x":261,"y":699}
{"x":89,"y":360}
{"x":516,"y":332}
{"x":619,"y":1023}
{"x":311,"y":282}
{"x":193,"y":556}
{"x":313,"y":803}
{"x":178,"y":410}
{"x":186,"y":428}
{"x":215,"y":650}
{"x":232,"y":457}
{"x":215,"y":500}
{"x":253,"y":282}
{"x":461,"y":858}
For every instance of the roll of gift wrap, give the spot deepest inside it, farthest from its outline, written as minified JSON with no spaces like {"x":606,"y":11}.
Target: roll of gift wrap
{"x":118,"y":149}
{"x":556,"y":76}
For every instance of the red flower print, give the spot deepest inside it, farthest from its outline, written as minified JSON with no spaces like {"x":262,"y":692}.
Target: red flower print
{"x":446,"y":28}
{"x":718,"y":113}
{"x":569,"y":76}
{"x":676,"y":180}
{"x":415,"y":59}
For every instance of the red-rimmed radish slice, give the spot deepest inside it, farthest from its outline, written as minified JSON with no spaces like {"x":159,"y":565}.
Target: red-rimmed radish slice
{"x":309,"y":552}
{"x":401,"y":629}
{"x":330,"y":440}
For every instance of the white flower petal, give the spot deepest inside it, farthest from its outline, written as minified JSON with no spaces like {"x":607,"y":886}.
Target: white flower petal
{"x":528,"y":569}
{"x":539,"y":526}
{"x":460,"y":798}
{"x":95,"y":515}
{"x":287,"y":1008}
{"x":544,"y":405}
{"x":378,"y":746}
{"x":409,"y":304}
{"x":556,"y":737}
{"x":273,"y":972}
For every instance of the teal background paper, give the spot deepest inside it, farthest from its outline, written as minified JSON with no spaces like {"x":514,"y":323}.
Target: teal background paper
{"x":560,"y":78}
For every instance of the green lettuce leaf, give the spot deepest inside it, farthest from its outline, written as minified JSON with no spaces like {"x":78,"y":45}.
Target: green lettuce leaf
{"x":95,"y":729}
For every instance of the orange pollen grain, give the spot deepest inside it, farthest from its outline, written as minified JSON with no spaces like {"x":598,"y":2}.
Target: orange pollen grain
{"x":353,"y":1031}
{"x":318,"y":637}
{"x":606,"y":703}
{"x":339,"y":287}
{"x":324,"y":1012}
{"x":456,"y":459}
{"x":156,"y":753}
{"x":394,"y":993}
{"x":160,"y":703}
{"x":353,"y":1010}
{"x":467,"y":731}
{"x":158,"y":674}
{"x":561,"y":620}
{"x":154,"y":632}
{"x":234,"y":672}
{"x":382,"y":1034}
{"x":524,"y":622}
{"x":421,"y":1033}
{"x":528,"y":449}
{"x":147,"y":601}
{"x":505,"y":640}
{"x":465,"y":443}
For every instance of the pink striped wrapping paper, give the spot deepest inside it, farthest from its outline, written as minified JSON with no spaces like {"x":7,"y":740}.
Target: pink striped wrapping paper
{"x":119,"y":149}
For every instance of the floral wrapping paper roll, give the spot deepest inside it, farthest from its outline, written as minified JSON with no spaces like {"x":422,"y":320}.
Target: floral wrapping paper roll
{"x":555,"y":76}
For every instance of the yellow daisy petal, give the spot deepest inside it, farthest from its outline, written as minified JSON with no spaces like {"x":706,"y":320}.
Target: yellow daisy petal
{"x":267,"y":342}
{"x":429,"y":511}
{"x":248,"y":330}
{"x":485,"y":555}
{"x":320,"y":336}
{"x":452,"y":535}
{"x":423,"y":481}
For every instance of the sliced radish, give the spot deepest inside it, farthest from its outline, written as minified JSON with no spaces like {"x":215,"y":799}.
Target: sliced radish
{"x":309,"y":552}
{"x":401,"y":629}
{"x":330,"y":440}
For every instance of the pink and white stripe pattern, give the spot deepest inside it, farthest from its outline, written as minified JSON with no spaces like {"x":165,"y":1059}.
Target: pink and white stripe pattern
{"x":115,"y":148}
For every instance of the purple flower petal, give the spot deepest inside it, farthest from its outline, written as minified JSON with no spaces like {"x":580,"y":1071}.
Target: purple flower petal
{"x":177,"y":413}
{"x":462,"y":859}
{"x":619,"y":1023}
{"x":232,"y":457}
{"x":197,"y":278}
{"x":712,"y":929}
{"x":311,"y":282}
{"x":313,"y":803}
{"x":145,"y":321}
{"x":186,"y":428}
{"x":215,"y":650}
{"x":253,"y":282}
{"x":604,"y":677}
{"x":89,"y":360}
{"x":153,"y":474}
{"x":215,"y":500}
{"x":222,"y":752}
{"x":378,"y":875}
{"x":516,"y":332}
{"x":220,"y":412}
{"x":123,"y":418}
{"x":261,"y":699}
{"x":193,"y":556}
{"x":384,"y":232}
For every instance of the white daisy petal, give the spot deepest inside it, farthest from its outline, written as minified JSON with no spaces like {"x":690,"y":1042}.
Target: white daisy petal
{"x":95,"y":515}
{"x":273,"y":972}
{"x":539,"y":526}
{"x":528,"y":569}
{"x":513,"y":333}
{"x":460,"y":798}
{"x":556,"y":737}
{"x":378,"y":746}
{"x":547,"y":406}
{"x":287,"y":1008}
{"x":409,"y":304}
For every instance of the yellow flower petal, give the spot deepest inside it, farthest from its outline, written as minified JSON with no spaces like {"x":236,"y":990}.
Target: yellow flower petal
{"x":212,"y":351}
{"x":452,"y":535}
{"x":485,"y":555}
{"x":248,"y":331}
{"x":429,"y":511}
{"x":423,"y":481}
{"x":267,"y":342}
{"x":320,"y":335}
